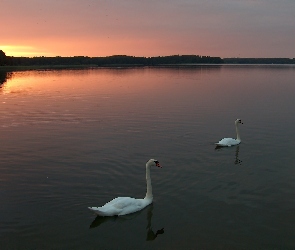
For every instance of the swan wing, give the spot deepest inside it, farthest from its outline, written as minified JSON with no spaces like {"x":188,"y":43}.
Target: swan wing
{"x":120,"y":206}
{"x":227,"y":142}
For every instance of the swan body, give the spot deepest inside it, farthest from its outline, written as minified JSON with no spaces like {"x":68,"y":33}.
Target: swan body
{"x":228,"y":142}
{"x":127,"y":205}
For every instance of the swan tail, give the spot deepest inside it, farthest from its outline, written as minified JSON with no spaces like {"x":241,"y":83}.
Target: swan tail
{"x":97,"y":211}
{"x":103,"y":211}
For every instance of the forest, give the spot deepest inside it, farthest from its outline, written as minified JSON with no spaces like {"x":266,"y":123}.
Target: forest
{"x":124,"y":60}
{"x":237,"y":60}
{"x":115,"y":60}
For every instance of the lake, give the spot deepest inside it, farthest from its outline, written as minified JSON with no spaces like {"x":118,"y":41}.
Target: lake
{"x":71,"y":139}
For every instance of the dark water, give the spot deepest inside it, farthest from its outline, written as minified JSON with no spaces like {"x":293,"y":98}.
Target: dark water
{"x":77,"y":138}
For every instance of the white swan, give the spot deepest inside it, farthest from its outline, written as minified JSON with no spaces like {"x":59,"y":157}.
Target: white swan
{"x":128,"y":205}
{"x":227,"y":142}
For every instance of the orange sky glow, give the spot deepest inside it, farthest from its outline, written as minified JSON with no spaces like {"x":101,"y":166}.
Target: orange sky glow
{"x":228,"y":28}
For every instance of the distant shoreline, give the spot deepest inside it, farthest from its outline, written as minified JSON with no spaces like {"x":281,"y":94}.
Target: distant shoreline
{"x":114,"y":66}
{"x":58,"y":62}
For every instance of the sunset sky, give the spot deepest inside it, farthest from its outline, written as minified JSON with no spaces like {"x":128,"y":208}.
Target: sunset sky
{"x":225,"y":28}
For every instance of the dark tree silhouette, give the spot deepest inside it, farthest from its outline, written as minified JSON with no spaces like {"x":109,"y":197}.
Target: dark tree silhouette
{"x":115,"y":60}
{"x":2,"y":58}
{"x":124,"y":60}
{"x":259,"y":60}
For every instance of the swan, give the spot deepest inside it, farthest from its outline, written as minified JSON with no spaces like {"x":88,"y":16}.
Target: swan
{"x":227,"y":142}
{"x":128,"y":205}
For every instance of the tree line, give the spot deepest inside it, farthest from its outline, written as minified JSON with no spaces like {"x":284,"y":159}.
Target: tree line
{"x":259,"y":60}
{"x":121,"y":60}
{"x":107,"y":61}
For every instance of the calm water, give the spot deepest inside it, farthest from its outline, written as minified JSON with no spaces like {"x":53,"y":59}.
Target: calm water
{"x":77,"y":138}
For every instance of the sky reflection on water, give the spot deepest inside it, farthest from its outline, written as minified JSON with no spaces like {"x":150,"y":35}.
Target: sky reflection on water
{"x":77,"y":138}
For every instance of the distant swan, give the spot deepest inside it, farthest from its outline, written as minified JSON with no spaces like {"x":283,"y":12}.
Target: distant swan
{"x":128,"y":205}
{"x":227,"y":142}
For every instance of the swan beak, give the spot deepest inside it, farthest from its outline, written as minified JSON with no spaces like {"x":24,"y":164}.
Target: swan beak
{"x":158,"y":165}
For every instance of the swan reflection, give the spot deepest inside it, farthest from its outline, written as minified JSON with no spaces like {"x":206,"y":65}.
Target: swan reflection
{"x":151,"y":234}
{"x":237,"y":161}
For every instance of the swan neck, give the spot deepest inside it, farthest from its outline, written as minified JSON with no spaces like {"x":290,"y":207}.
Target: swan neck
{"x":238,"y":132}
{"x":149,"y":192}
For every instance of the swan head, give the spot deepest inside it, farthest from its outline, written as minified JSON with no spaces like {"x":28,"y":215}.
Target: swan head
{"x":153,"y":162}
{"x":238,"y":121}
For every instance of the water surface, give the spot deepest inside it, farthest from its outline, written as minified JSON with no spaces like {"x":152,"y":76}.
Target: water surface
{"x":77,"y":138}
